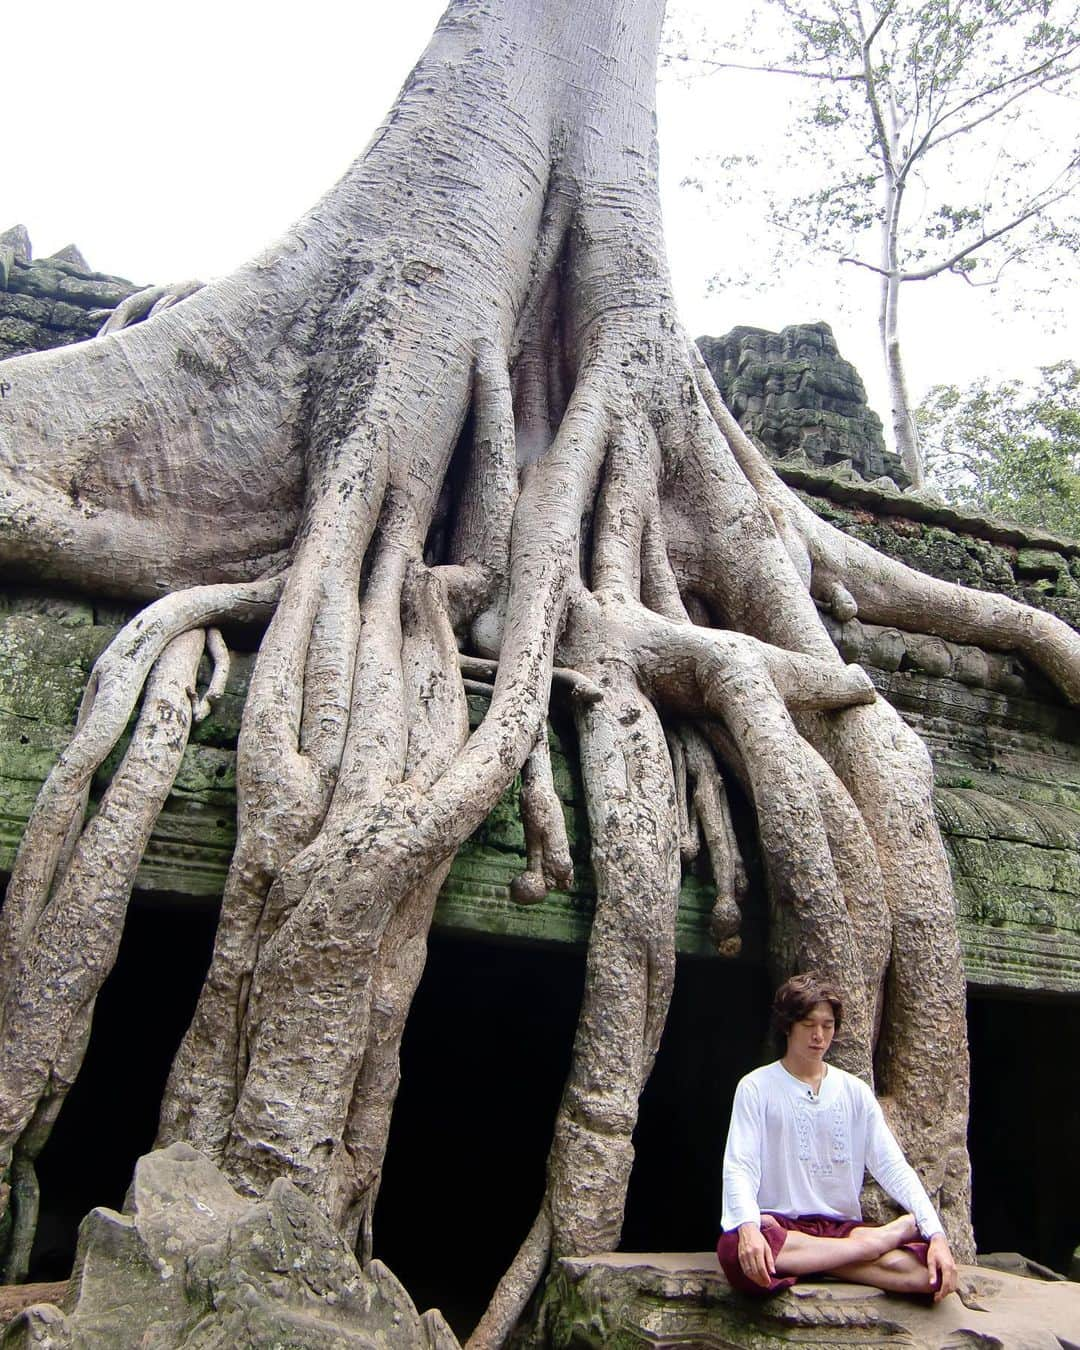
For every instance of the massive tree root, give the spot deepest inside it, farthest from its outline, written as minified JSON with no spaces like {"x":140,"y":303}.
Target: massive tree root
{"x":62,"y":926}
{"x":452,"y":421}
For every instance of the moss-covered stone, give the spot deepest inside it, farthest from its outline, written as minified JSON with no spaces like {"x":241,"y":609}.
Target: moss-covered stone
{"x":50,"y":302}
{"x":796,"y":394}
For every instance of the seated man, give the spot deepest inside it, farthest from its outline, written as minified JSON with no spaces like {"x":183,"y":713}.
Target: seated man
{"x":801,"y":1134}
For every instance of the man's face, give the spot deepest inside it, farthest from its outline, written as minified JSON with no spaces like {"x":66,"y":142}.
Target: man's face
{"x":810,"y":1038}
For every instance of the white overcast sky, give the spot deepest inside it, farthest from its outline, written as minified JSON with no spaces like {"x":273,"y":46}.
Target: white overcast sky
{"x":170,"y":141}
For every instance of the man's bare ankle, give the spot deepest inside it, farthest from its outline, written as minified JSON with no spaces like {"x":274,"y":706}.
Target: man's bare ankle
{"x":879,"y":1239}
{"x":867,"y":1243}
{"x":905,"y":1229}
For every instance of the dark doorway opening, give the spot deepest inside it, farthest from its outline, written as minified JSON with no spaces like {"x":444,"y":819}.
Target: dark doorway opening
{"x":484,"y":1059}
{"x":1024,"y":1127}
{"x":717,"y":1031}
{"x":110,"y":1116}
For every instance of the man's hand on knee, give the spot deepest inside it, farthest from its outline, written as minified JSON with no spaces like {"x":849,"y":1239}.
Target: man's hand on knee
{"x":940,"y":1266}
{"x":755,"y":1255}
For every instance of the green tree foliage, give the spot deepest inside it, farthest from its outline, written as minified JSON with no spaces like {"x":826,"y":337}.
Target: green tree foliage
{"x":938,"y":138}
{"x":1009,"y":449}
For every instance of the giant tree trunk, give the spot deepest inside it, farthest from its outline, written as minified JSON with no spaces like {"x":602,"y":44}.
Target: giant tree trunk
{"x":451,"y":420}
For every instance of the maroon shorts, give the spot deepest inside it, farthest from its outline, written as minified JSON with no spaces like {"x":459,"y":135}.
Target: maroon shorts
{"x":727,"y":1249}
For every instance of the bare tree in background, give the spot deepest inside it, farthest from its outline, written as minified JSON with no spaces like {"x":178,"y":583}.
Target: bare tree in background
{"x":934,"y":139}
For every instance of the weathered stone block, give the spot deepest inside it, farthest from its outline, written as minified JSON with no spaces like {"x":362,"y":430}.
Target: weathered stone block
{"x":195,"y":1265}
{"x":1038,"y":562}
{"x":796,"y":394}
{"x":16,"y":241}
{"x":52,"y":301}
{"x":25,"y":307}
{"x":22,"y":335}
{"x":627,"y":1301}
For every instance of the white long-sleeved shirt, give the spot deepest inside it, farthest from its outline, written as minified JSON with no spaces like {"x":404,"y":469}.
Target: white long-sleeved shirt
{"x":793,"y":1153}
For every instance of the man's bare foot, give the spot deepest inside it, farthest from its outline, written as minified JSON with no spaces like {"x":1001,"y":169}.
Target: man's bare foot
{"x":888,"y":1236}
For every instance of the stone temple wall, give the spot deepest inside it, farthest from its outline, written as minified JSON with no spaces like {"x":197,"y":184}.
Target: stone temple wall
{"x":1006,"y":749}
{"x":797,"y":395}
{"x":49,"y":302}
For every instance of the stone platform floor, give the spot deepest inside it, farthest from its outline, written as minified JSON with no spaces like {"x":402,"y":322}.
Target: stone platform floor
{"x":635,"y":1300}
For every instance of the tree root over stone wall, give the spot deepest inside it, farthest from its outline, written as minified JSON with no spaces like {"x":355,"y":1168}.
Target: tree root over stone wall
{"x":452,"y":416}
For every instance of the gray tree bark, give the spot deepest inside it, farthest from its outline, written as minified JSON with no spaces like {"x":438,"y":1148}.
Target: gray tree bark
{"x":451,"y":418}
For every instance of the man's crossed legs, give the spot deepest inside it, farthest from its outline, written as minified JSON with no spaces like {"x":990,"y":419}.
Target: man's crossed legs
{"x":891,"y":1256}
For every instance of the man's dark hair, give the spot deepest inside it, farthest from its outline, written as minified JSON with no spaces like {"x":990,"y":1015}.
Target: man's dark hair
{"x":797,"y":996}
